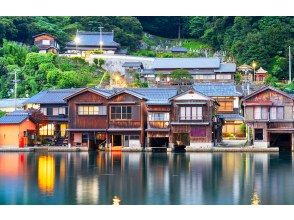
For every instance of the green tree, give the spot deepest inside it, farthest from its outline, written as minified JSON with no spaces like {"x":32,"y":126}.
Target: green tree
{"x":181,"y":76}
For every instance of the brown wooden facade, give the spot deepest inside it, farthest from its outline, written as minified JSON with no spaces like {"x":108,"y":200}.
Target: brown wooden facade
{"x":269,"y":114}
{"x":46,"y":43}
{"x":128,"y":120}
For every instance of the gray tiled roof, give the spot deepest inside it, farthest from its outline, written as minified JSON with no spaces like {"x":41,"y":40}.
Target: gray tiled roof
{"x":186,"y":63}
{"x":217,"y":89}
{"x":147,"y":72}
{"x":6,"y":103}
{"x":229,"y":117}
{"x":15,"y":117}
{"x":156,"y":95}
{"x":93,"y":39}
{"x":179,"y":49}
{"x":51,"y":96}
{"x":132,"y":64}
{"x":226,"y":68}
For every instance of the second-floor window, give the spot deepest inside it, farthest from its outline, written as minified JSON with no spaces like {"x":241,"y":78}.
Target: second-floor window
{"x":277,"y":113}
{"x":225,"y":106}
{"x":191,"y":113}
{"x":261,"y":113}
{"x":121,"y":112}
{"x":55,"y":111}
{"x":91,"y":110}
{"x":158,"y":117}
{"x":46,"y":42}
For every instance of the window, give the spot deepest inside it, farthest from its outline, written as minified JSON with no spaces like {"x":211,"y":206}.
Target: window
{"x":46,"y":42}
{"x":44,"y":111}
{"x":91,"y":110}
{"x":210,"y":76}
{"x":121,"y":112}
{"x":258,"y":134}
{"x":261,"y":113}
{"x":223,"y":76}
{"x":158,"y":120}
{"x":191,"y":113}
{"x":277,"y":113}
{"x":58,"y":111}
{"x":158,"y":116}
{"x":47,"y":130}
{"x":225,"y":106}
{"x":130,"y":140}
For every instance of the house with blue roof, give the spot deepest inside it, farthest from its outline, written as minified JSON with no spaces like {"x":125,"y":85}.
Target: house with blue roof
{"x":9,"y":105}
{"x":51,"y":103}
{"x":89,"y":41}
{"x":17,"y":129}
{"x":229,"y":100}
{"x":138,"y":118}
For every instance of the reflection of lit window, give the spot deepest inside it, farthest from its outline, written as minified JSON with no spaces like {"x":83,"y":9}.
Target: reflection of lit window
{"x":46,"y":174}
{"x":47,"y":130}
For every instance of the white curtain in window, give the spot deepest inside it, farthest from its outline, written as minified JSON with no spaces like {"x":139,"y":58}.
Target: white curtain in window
{"x":257,"y":113}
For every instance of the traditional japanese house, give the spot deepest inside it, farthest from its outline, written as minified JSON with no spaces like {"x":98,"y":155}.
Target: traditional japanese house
{"x":201,"y":69}
{"x":193,"y":120}
{"x":89,"y":41}
{"x":88,"y":117}
{"x":127,"y":119}
{"x":260,"y":75}
{"x":229,"y":107}
{"x":9,"y":105}
{"x":130,"y":69}
{"x":246,"y":71}
{"x":46,"y":43}
{"x":52,"y":104}
{"x":17,"y":129}
{"x":269,"y":114}
{"x":159,"y":109}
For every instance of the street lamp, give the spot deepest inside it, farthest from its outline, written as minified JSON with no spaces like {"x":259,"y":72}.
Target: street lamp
{"x":254,"y":66}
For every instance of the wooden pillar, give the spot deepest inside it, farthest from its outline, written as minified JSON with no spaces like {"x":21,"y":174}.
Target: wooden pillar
{"x":142,"y":120}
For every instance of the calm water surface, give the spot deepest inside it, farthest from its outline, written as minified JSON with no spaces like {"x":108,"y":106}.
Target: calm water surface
{"x":146,"y":178}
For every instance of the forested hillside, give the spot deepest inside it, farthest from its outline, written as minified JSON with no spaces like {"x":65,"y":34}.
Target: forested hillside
{"x":262,"y":39}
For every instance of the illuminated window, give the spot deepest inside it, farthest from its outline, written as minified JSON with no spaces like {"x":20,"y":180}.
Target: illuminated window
{"x":47,"y":130}
{"x":158,"y":116}
{"x":44,"y":111}
{"x":63,"y":128}
{"x":91,"y":110}
{"x":225,"y":106}
{"x":46,"y":42}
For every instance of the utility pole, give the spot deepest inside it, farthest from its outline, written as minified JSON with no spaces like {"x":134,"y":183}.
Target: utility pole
{"x":100,"y":41}
{"x":15,"y":89}
{"x":290,"y":65}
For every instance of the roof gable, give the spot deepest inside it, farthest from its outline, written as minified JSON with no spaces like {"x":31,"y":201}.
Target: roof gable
{"x":265,"y":88}
{"x":190,"y":95}
{"x":95,"y":91}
